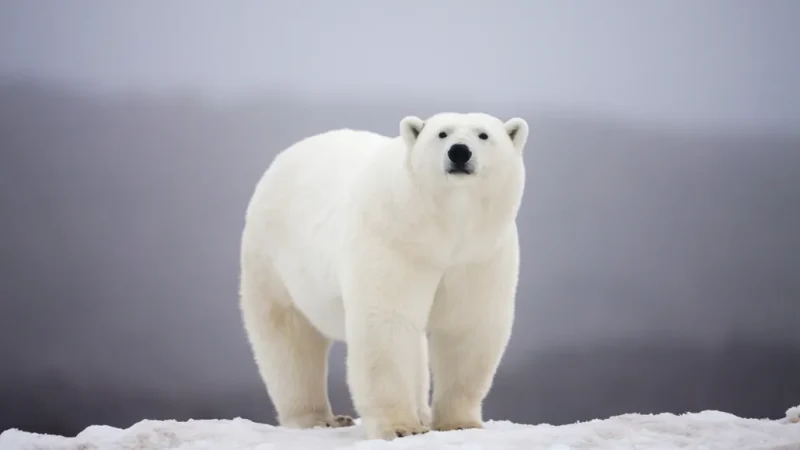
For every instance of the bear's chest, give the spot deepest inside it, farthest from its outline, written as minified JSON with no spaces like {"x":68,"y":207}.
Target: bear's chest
{"x":466,"y":230}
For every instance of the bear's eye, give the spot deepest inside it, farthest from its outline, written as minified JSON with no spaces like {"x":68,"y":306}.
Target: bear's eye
{"x":442,"y":135}
{"x":483,"y":136}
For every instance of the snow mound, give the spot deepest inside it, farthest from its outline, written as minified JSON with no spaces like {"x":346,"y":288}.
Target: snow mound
{"x":707,"y":430}
{"x":793,"y":414}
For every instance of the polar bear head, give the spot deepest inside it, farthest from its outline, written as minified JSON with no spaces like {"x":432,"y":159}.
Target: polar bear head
{"x":464,"y":148}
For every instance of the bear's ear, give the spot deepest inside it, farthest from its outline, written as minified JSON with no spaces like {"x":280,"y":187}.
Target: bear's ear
{"x":410,"y":128}
{"x":517,"y":129}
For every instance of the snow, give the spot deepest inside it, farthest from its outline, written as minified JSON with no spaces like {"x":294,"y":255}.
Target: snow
{"x":793,"y":414}
{"x":706,"y":430}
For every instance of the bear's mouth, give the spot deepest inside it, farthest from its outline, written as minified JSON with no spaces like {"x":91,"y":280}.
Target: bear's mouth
{"x":460,"y":170}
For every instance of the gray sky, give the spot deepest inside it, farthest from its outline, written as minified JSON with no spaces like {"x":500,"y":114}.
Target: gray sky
{"x":724,"y":62}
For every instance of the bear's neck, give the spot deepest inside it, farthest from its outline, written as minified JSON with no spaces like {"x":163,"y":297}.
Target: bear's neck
{"x":449,"y":227}
{"x":455,"y":209}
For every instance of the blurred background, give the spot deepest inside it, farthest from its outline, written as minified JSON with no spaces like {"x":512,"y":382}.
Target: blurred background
{"x":660,"y":225}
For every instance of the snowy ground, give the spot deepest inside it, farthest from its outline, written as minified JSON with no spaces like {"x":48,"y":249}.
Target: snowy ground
{"x":706,"y":430}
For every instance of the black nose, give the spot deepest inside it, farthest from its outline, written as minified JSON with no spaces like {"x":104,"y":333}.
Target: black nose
{"x":459,"y":154}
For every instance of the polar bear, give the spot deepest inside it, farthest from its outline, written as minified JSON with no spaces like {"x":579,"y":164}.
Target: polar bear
{"x":403,"y":247}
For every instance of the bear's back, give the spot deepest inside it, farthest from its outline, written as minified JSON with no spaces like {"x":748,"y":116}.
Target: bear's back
{"x":308,"y":177}
{"x":326,"y":160}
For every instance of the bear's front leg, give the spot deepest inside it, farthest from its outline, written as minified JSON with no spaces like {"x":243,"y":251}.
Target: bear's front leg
{"x":470,"y":326}
{"x":387,"y":301}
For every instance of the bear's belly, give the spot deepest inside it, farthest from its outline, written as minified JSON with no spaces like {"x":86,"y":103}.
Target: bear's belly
{"x":325,"y":313}
{"x":315,"y":293}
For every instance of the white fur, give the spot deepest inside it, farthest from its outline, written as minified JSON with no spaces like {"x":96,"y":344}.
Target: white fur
{"x":359,"y":237}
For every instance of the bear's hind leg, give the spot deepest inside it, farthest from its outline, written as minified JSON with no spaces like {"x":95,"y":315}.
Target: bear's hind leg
{"x":290,"y":353}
